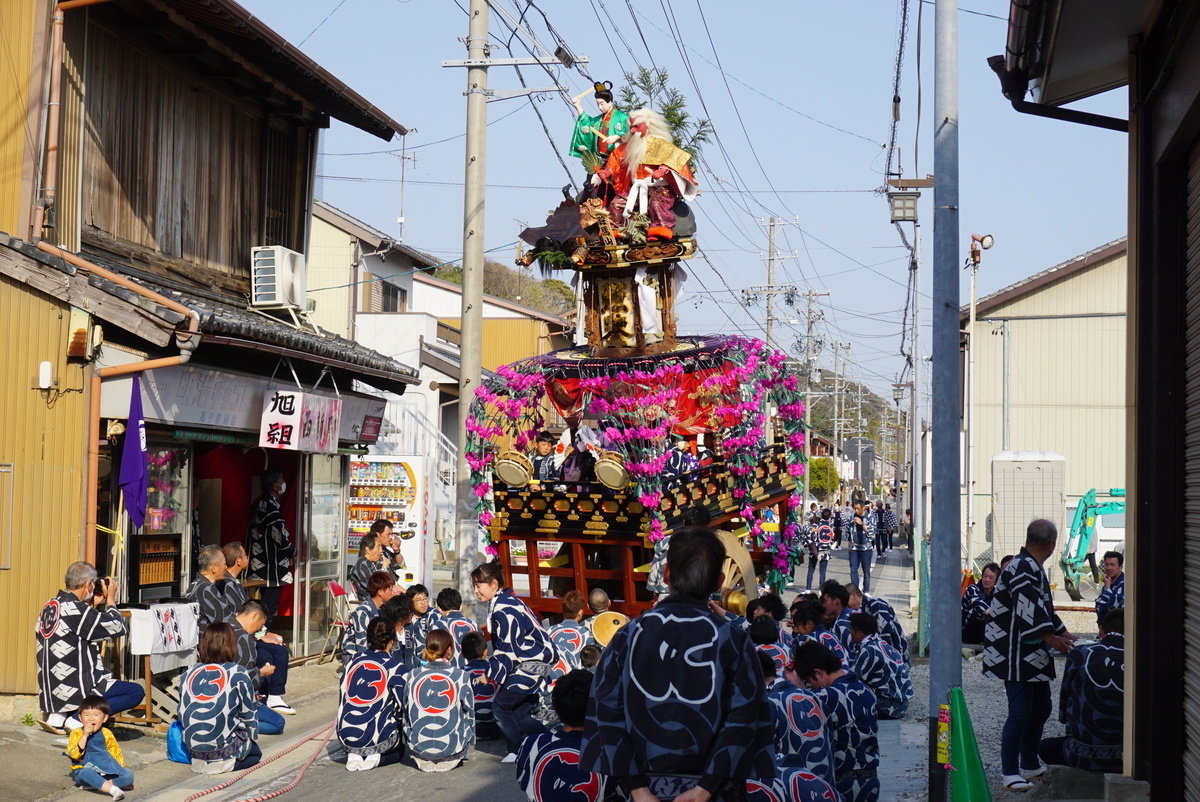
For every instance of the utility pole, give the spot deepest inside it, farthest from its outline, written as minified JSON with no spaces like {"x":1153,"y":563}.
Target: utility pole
{"x":808,"y":360}
{"x":771,"y":289}
{"x":945,"y":661}
{"x":471,"y":351}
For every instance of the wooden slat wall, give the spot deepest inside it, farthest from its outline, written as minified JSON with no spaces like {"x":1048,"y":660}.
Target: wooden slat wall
{"x":18,"y":138}
{"x":70,"y":150}
{"x":44,"y":438}
{"x":173,"y":164}
{"x":1191,"y":458}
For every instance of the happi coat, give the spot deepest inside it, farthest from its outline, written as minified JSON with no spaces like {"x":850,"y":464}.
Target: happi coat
{"x":679,"y":694}
{"x":68,"y":660}
{"x":1022,"y":612}
{"x":522,"y":654}
{"x":439,"y":711}
{"x":218,"y":710}
{"x":371,"y":704}
{"x":882,"y":669}
{"x":548,"y":771}
{"x":268,"y":543}
{"x":801,"y":737}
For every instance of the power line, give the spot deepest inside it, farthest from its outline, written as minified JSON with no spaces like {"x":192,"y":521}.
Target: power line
{"x":322,"y":22}
{"x":768,"y":97}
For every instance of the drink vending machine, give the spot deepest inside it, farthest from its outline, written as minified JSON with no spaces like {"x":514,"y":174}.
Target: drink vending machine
{"x":391,"y":488}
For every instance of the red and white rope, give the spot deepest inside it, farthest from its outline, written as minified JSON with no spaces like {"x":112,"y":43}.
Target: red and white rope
{"x":328,"y":730}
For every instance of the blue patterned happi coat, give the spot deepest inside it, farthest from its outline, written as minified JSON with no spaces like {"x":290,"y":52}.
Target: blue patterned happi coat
{"x":368,"y":717}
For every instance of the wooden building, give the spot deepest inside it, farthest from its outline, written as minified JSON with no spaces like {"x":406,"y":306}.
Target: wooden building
{"x":146,"y":147}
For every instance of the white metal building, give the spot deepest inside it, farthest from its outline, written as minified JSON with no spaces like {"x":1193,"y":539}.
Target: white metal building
{"x":1050,"y":374}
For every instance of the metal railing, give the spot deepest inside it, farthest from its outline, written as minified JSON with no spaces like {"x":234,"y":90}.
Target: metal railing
{"x":408,"y":431}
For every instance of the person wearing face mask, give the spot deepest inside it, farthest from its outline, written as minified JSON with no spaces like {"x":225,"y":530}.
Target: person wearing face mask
{"x":69,"y":630}
{"x":268,"y":543}
{"x":975,"y":604}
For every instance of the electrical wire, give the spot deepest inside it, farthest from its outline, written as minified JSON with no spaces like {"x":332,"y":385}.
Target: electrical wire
{"x":322,"y":22}
{"x":409,"y":272}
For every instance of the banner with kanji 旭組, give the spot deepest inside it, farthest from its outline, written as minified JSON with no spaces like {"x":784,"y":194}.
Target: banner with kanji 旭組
{"x":296,"y":421}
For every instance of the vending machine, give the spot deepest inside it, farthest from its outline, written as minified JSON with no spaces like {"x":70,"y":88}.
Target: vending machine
{"x":391,"y":488}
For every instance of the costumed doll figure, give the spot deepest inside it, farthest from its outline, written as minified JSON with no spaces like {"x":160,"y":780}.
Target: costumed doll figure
{"x":596,"y":135}
{"x":648,"y":173}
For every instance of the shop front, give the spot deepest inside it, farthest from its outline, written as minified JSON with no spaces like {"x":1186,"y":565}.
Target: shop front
{"x":210,"y":434}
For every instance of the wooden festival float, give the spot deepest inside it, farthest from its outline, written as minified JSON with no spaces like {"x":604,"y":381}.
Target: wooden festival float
{"x":631,"y":393}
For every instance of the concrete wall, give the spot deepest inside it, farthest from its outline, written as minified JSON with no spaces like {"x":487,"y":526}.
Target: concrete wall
{"x":331,"y":255}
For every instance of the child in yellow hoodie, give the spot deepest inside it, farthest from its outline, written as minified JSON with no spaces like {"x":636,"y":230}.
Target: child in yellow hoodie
{"x":96,"y":758}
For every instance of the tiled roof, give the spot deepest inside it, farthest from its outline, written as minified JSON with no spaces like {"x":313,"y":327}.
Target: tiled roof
{"x":228,"y":320}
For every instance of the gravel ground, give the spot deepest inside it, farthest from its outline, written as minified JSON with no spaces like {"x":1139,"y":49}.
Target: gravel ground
{"x":988,"y":708}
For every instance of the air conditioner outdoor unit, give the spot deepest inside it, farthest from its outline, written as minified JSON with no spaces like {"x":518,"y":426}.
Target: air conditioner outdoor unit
{"x":277,"y":278}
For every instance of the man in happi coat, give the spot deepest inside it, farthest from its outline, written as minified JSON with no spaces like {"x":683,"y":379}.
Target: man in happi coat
{"x":1017,"y":643}
{"x":1092,"y":703}
{"x":679,"y":708}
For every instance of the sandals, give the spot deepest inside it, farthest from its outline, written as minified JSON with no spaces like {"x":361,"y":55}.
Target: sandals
{"x":1015,"y":782}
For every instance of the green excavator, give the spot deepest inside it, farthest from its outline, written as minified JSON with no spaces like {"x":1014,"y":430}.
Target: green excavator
{"x":1083,"y":529}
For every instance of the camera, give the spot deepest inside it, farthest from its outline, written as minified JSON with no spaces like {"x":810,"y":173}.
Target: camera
{"x":101,"y":587}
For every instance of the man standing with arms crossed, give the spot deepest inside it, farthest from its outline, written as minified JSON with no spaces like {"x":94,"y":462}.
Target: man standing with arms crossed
{"x":1017,"y":643}
{"x":268,"y":543}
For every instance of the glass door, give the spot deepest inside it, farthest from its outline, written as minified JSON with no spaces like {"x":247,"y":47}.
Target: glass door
{"x":322,"y":555}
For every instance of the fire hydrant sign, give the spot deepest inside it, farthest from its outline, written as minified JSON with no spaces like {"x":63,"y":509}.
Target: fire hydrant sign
{"x":296,"y":421}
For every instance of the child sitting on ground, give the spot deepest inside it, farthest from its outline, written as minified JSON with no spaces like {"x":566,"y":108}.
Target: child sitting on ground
{"x":765,"y":635}
{"x":548,"y":765}
{"x":589,"y":657}
{"x":439,"y":709}
{"x":96,"y":758}
{"x":450,"y":617}
{"x":399,"y":611}
{"x":474,"y":653}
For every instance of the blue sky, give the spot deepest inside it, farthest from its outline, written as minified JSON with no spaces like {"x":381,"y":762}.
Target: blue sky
{"x":800,"y":109}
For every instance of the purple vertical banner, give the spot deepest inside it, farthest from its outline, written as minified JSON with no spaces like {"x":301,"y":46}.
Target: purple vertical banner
{"x":135,"y":473}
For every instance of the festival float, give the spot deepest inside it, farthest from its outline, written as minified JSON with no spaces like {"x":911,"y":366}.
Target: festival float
{"x":660,"y":422}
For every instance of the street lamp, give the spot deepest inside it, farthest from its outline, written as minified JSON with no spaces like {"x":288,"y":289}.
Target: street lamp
{"x":904,"y":206}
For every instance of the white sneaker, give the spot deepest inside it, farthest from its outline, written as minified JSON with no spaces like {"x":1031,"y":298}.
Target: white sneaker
{"x":511,"y":757}
{"x":116,"y":793}
{"x":354,"y":762}
{"x":369,"y":762}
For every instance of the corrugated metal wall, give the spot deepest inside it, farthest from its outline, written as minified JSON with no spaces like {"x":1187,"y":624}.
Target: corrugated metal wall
{"x":507,"y":340}
{"x":43,"y":436}
{"x":1066,"y":381}
{"x":17,"y":137}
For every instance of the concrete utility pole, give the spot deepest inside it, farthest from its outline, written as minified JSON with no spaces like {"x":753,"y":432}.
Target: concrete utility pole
{"x":945,"y":661}
{"x":808,"y":362}
{"x":771,"y":289}
{"x":471,"y":320}
{"x":471,"y":323}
